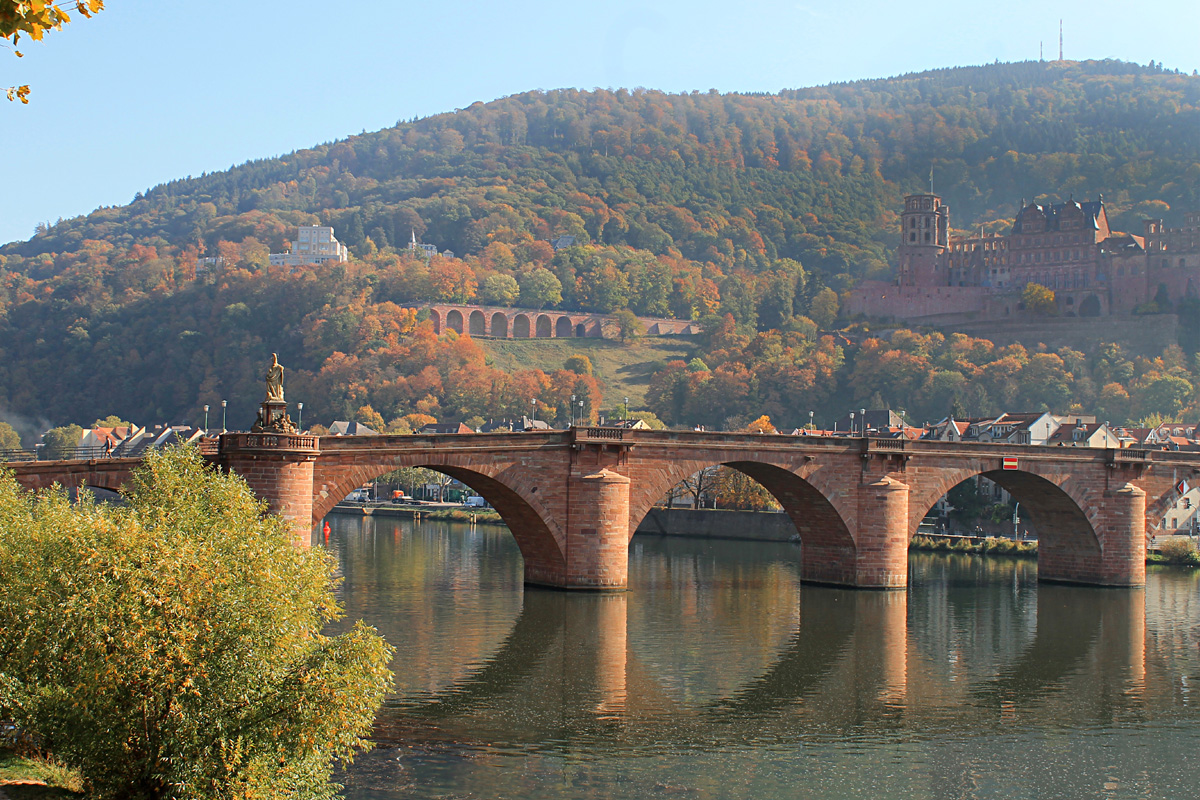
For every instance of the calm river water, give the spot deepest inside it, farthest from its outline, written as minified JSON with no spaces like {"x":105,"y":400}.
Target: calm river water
{"x":718,"y":676}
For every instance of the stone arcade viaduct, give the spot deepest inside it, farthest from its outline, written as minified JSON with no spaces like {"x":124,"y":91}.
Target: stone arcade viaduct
{"x":573,"y":499}
{"x":516,"y":323}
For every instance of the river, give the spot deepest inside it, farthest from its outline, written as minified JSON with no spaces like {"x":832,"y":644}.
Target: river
{"x":719,"y":676}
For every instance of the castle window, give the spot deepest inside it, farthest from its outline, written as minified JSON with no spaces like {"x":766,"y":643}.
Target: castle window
{"x":927,"y":236}
{"x":912,"y":237}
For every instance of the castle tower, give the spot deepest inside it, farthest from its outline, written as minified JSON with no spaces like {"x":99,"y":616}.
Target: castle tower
{"x":924,"y":238}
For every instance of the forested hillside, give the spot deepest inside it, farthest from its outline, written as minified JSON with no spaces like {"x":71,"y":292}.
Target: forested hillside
{"x":758,"y":206}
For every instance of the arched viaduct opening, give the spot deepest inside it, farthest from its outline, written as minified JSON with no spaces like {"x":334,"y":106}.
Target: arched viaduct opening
{"x":543,"y":326}
{"x":520,"y":327}
{"x":544,"y":560}
{"x":1069,"y":546}
{"x":454,"y":320}
{"x":562,"y":328}
{"x":500,"y":325}
{"x":828,"y":550}
{"x":477,"y":324}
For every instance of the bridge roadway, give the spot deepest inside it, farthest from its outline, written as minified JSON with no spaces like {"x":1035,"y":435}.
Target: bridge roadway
{"x":573,"y":499}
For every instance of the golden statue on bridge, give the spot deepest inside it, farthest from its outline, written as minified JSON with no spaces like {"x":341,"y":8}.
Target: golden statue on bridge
{"x":275,"y":380}
{"x":272,"y":414}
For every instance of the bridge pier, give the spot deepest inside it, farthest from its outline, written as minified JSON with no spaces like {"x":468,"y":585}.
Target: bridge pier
{"x":597,"y":547}
{"x":279,"y":469}
{"x":881,"y":540}
{"x":1114,"y":556}
{"x":878,"y":557}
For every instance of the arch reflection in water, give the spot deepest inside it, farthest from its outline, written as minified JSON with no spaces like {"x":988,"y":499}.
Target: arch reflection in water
{"x":718,"y":650}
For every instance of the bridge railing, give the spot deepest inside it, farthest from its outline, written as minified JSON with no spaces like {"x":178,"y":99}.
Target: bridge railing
{"x":66,"y":454}
{"x":602,"y":434}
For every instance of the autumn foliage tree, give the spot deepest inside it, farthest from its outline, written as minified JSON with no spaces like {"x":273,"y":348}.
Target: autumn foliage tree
{"x":33,"y":19}
{"x":176,"y":646}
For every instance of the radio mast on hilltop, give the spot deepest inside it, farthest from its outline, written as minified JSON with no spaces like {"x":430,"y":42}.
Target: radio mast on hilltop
{"x":1060,"y":58}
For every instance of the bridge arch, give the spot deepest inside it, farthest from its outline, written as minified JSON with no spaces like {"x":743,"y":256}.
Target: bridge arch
{"x":454,"y":320}
{"x":1067,"y":513}
{"x":499,"y":325}
{"x":520,"y":327}
{"x":476,"y":324}
{"x":544,"y":328}
{"x":435,"y":317}
{"x":562,"y":327}
{"x":504,"y":486}
{"x":828,"y":549}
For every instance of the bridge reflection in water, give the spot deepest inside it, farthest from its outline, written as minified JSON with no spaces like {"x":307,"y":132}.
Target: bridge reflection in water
{"x":720,"y":650}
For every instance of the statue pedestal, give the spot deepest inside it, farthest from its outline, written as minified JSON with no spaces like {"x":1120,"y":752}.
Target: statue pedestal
{"x":273,"y":418}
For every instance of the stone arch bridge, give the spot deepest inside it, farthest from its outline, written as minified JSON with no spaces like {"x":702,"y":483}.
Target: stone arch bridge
{"x":573,"y":499}
{"x":516,"y":323}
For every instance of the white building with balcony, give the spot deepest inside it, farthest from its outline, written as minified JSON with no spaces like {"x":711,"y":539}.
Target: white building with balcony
{"x":314,"y":244}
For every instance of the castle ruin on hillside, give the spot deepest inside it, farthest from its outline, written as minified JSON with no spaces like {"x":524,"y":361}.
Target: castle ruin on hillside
{"x":1067,"y":247}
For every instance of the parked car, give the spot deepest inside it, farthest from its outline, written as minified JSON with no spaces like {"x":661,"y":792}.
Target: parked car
{"x":475,"y":502}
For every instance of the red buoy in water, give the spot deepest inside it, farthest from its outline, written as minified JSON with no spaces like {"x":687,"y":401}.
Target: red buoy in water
{"x":325,"y":530}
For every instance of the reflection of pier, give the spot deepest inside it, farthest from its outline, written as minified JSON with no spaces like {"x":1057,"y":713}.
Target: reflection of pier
{"x":568,"y":670}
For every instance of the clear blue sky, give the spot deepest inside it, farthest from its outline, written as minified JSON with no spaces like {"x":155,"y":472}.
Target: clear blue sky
{"x":151,"y":90}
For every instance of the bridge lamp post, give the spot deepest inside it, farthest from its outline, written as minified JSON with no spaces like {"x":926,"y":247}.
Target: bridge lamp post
{"x":862,"y":422}
{"x":300,"y":415}
{"x":851,"y":423}
{"x":572,"y":411}
{"x":224,"y":403}
{"x":581,"y":412}
{"x":206,"y":419}
{"x":625,"y":416}
{"x":810,"y":422}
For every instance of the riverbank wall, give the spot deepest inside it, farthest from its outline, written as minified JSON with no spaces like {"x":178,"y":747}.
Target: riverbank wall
{"x":719,"y":523}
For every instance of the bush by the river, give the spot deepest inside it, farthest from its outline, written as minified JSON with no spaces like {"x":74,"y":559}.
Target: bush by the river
{"x":988,"y":546}
{"x":1179,"y":551}
{"x":172,"y":647}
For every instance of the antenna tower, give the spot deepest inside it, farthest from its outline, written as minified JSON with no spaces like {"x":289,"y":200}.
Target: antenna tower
{"x":1060,"y":58}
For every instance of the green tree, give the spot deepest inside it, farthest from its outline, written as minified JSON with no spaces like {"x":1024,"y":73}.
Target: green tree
{"x":824,"y":308}
{"x":173,"y":647}
{"x":34,"y":19}
{"x":500,"y":290}
{"x":579,"y":364}
{"x":539,"y":288}
{"x":111,"y":421}
{"x":1038,"y":299}
{"x":61,"y":442}
{"x":628,"y":325}
{"x":1165,"y":395}
{"x":9,"y":439}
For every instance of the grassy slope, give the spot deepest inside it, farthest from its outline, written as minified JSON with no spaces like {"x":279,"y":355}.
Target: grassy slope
{"x":623,"y":369}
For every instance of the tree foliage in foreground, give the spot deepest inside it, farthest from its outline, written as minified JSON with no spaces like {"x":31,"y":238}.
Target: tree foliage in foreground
{"x":172,"y":647}
{"x":33,"y":19}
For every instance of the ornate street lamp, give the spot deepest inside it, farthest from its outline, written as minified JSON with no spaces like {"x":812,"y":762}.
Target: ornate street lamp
{"x":851,"y":423}
{"x":206,"y":419}
{"x":625,"y":416}
{"x":224,"y":403}
{"x":300,"y":416}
